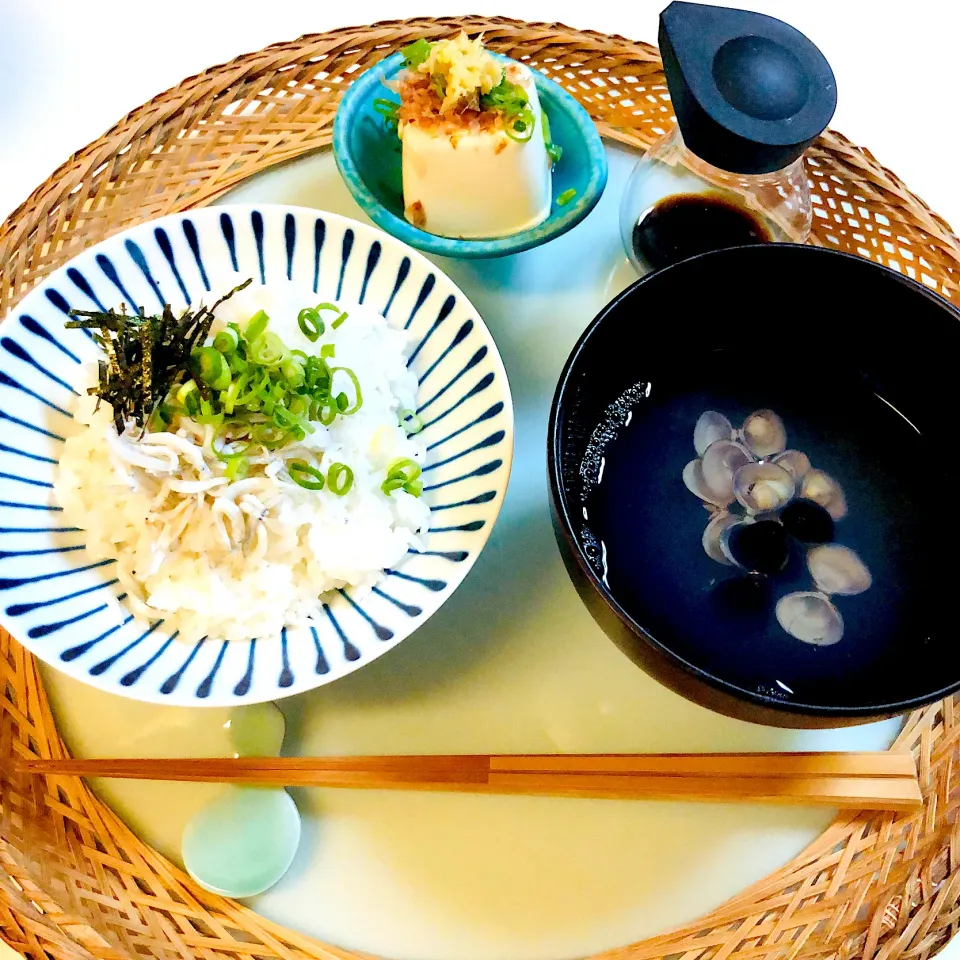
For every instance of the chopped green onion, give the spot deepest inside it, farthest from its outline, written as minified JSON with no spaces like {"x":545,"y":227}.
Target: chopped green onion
{"x":315,"y":370}
{"x":358,"y":402}
{"x":388,"y":109}
{"x":340,"y":479}
{"x":268,"y":350}
{"x":416,"y":53}
{"x":402,"y":473}
{"x":269,"y":435}
{"x":188,"y":396}
{"x":410,"y":422}
{"x":292,"y":372}
{"x":207,"y":414}
{"x":227,"y":340}
{"x":405,"y":467}
{"x":391,"y":484}
{"x":212,"y":367}
{"x":554,"y":150}
{"x":301,"y":473}
{"x":299,"y":406}
{"x":254,"y":377}
{"x":228,"y":397}
{"x":342,"y":314}
{"x":506,"y":97}
{"x":413,"y":487}
{"x":566,"y":197}
{"x":511,"y":100}
{"x":310,"y":323}
{"x":237,"y":469}
{"x":262,"y":390}
{"x":229,"y":458}
{"x":256,"y":326}
{"x":246,"y":391}
{"x":520,"y":127}
{"x":156,"y":421}
{"x":225,"y":456}
{"x":286,"y":420}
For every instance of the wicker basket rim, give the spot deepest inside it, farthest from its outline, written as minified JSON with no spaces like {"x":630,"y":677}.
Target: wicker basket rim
{"x":899,"y":872}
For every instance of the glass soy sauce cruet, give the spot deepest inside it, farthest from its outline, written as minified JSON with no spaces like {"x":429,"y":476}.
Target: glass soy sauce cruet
{"x":750,"y":94}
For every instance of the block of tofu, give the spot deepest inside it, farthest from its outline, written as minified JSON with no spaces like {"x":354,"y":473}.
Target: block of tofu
{"x":475,"y":183}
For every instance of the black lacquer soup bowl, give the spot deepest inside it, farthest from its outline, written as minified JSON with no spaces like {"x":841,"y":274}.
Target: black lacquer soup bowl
{"x":753,"y":461}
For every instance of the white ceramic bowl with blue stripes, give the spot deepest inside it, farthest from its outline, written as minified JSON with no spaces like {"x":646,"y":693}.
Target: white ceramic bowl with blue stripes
{"x":54,"y":597}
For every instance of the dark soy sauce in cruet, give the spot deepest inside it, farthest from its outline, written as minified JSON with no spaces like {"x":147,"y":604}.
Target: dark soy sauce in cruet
{"x":686,"y":224}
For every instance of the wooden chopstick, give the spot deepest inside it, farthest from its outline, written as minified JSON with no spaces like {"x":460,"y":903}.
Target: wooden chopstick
{"x":869,"y":781}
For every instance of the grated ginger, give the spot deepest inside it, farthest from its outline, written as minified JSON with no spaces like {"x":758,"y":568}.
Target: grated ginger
{"x":467,"y":70}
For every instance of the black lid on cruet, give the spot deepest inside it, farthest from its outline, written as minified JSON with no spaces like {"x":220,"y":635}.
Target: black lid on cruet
{"x":750,"y":92}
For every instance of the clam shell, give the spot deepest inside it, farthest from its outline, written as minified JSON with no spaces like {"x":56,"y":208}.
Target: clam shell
{"x":697,"y":485}
{"x":719,"y":463}
{"x":766,"y":551}
{"x":763,"y":487}
{"x":810,"y":617}
{"x":795,"y":462}
{"x":807,"y":522}
{"x":821,"y":488}
{"x":838,"y":570}
{"x":724,"y":541}
{"x":711,"y":426}
{"x":764,"y":434}
{"x":714,"y":533}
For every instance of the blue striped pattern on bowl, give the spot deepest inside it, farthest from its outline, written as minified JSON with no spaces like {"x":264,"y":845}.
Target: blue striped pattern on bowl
{"x":54,"y":597}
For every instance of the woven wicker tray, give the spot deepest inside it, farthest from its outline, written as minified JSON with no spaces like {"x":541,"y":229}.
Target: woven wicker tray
{"x":76,"y":883}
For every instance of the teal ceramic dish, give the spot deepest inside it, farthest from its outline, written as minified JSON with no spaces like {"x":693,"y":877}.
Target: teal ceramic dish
{"x":368,"y":157}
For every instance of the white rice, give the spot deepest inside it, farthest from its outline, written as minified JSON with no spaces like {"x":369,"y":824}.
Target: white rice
{"x":208,"y":567}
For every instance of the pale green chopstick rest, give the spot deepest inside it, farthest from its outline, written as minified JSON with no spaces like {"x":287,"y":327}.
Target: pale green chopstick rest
{"x":243,"y":842}
{"x":257,"y":730}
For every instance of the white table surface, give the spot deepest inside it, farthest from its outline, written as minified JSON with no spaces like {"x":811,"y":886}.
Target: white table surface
{"x":72,"y":69}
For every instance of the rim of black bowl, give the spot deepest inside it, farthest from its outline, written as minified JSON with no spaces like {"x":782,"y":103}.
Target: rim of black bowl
{"x":559,"y":495}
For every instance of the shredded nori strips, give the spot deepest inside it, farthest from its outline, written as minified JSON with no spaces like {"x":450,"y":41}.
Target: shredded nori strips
{"x":147,"y":356}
